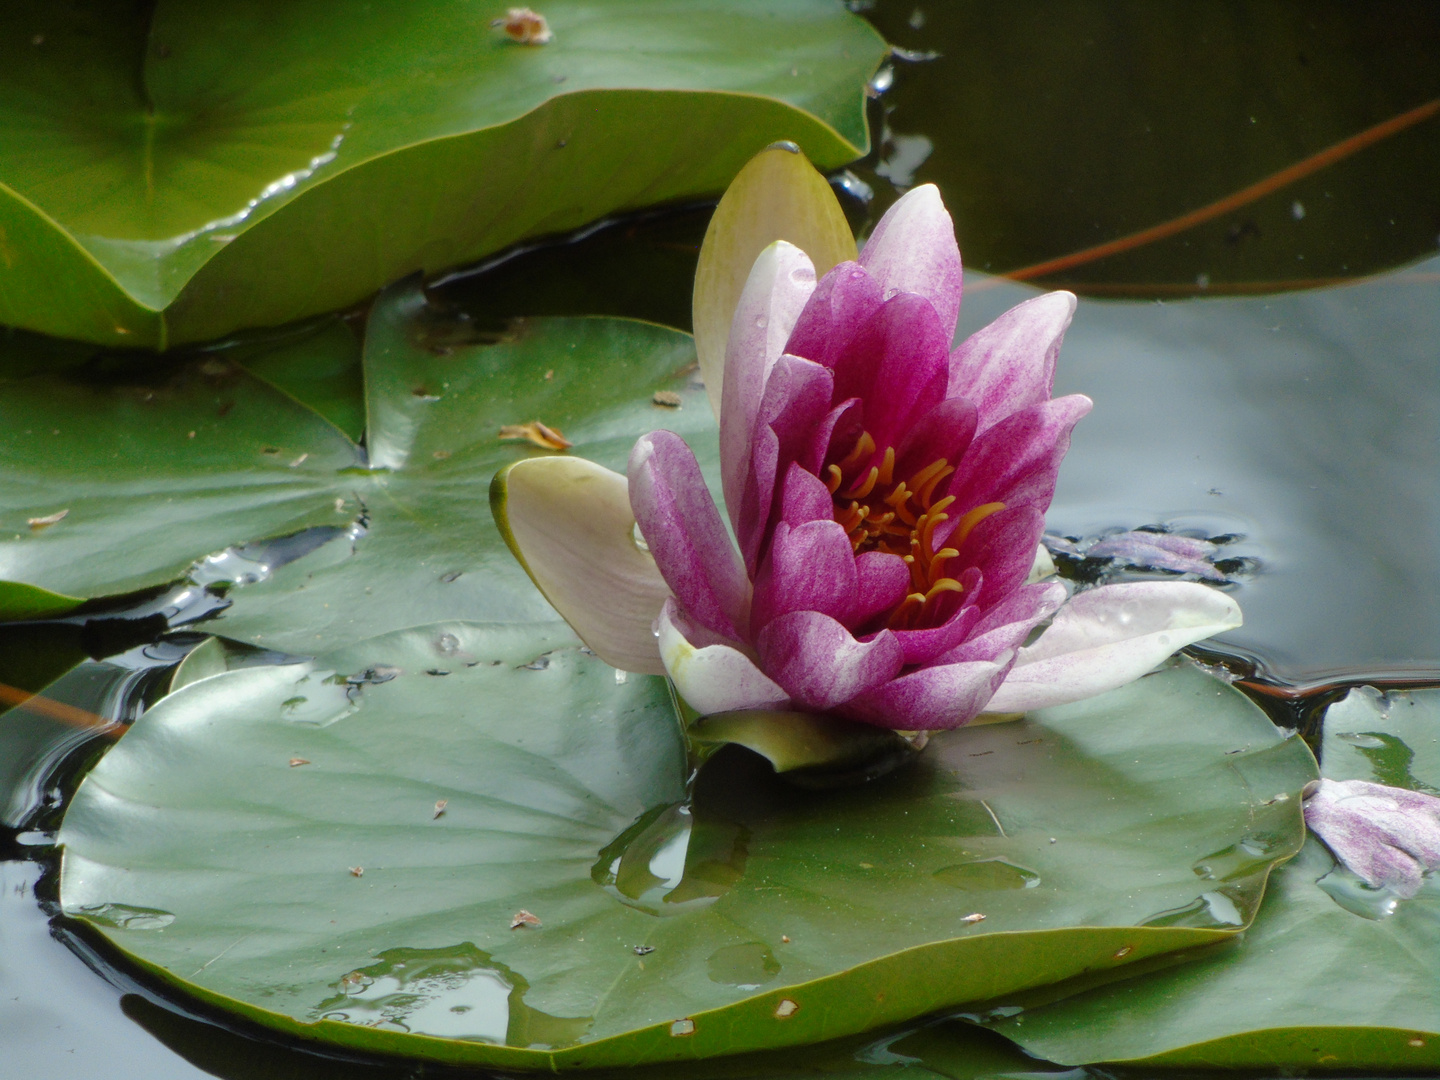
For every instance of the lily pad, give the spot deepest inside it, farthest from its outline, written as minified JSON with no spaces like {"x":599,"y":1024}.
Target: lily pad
{"x":170,"y":173}
{"x":147,"y":500}
{"x":471,"y":843}
{"x":1332,"y":974}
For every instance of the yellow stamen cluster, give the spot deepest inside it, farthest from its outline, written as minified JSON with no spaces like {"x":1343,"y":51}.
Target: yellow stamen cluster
{"x":900,"y":517}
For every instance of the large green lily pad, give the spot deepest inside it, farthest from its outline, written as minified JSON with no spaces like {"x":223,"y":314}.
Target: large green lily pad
{"x":338,"y":849}
{"x":146,"y":498}
{"x":1314,"y":983}
{"x":172,"y":172}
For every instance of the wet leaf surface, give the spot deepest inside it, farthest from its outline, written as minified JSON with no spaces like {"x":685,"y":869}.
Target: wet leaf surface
{"x":1077,"y":834}
{"x":170,"y":175}
{"x":1332,"y":974}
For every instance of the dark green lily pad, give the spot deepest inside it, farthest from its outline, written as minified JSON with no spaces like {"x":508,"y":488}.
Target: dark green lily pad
{"x":338,"y":850}
{"x":1313,"y":983}
{"x":173,"y":172}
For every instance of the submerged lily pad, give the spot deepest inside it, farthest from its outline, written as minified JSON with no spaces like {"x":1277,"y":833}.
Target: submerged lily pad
{"x":472,"y":843}
{"x":170,"y":173}
{"x":1333,"y":974}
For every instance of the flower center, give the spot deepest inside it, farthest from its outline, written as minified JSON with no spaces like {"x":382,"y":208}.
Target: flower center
{"x":900,"y":516}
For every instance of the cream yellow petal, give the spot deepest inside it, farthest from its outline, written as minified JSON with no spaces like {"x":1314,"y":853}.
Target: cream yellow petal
{"x":569,"y":523}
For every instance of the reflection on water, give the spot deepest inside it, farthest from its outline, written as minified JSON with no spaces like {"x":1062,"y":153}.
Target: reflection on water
{"x":457,"y":993}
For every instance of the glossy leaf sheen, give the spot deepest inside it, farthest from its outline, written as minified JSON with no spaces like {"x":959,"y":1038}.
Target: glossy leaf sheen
{"x":232,"y":165}
{"x":1312,"y":983}
{"x":544,"y":759}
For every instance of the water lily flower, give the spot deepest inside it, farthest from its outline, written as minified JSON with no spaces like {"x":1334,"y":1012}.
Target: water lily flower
{"x":1388,"y":836}
{"x":886,"y":496}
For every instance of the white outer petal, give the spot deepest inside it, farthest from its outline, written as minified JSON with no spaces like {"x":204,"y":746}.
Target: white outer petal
{"x":775,"y":293}
{"x":1110,"y":636}
{"x":716,"y":678}
{"x":571,"y":525}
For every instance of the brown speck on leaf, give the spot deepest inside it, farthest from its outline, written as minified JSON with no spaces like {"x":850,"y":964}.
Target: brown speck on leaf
{"x":525,"y":27}
{"x":439,"y":808}
{"x":523,"y":918}
{"x":785,"y":939}
{"x":1417,"y":1043}
{"x":269,"y":449}
{"x":786,"y":1009}
{"x":547,"y":438}
{"x":550,"y":374}
{"x":38,"y":523}
{"x":1124,"y":951}
{"x":976,"y":917}
{"x":190,"y":435}
{"x":667,"y":398}
{"x":297,"y":761}
{"x":357,"y":871}
{"x":440,"y":455}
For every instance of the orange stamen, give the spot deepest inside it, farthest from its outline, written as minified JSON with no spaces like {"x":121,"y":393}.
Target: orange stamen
{"x":973,"y":518}
{"x":866,"y":486}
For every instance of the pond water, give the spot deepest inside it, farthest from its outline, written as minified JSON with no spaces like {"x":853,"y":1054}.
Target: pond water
{"x":1267,"y":378}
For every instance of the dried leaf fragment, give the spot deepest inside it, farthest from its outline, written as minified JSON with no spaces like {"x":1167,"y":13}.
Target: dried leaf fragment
{"x":667,"y":398}
{"x":525,"y":27}
{"x":296,"y":761}
{"x":523,"y":918}
{"x":440,"y":809}
{"x":38,"y":523}
{"x":357,"y":871}
{"x":547,"y":438}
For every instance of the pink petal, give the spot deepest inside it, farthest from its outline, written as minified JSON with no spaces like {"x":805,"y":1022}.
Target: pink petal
{"x":943,"y":432}
{"x":881,"y":582}
{"x":933,"y":698}
{"x":820,"y":664}
{"x":797,"y":397}
{"x":1010,"y":364}
{"x":1110,"y":636}
{"x":896,"y":363}
{"x":712,"y":677}
{"x":842,"y":302}
{"x":1017,"y":460}
{"x":804,"y":498}
{"x":1007,"y":624}
{"x":1002,"y":548}
{"x":924,"y":646}
{"x":779,"y":285}
{"x":1389,"y":836}
{"x":808,"y":568}
{"x":913,"y":250}
{"x":684,"y":532}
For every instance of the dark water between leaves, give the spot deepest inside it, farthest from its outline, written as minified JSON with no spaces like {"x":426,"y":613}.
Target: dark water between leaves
{"x":1268,"y":380}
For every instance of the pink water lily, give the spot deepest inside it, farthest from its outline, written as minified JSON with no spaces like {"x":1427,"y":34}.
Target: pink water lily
{"x":886,"y":496}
